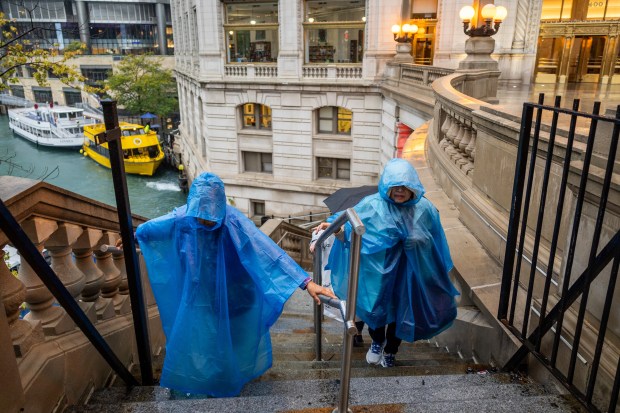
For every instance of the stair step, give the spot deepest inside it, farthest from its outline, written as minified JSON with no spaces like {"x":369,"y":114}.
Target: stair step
{"x":452,"y":393}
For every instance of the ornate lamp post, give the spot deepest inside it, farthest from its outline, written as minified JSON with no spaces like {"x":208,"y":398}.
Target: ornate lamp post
{"x":480,"y":44}
{"x":403,"y":35}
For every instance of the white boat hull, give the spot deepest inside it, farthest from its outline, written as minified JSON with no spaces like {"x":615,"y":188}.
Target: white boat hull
{"x":52,"y":141}
{"x":47,"y":127}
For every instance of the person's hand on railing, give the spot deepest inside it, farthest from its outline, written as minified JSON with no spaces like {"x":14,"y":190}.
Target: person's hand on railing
{"x":316,"y":232}
{"x":315,"y":290}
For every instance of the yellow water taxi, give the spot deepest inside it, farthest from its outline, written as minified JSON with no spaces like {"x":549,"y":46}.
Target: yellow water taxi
{"x":142,"y":152}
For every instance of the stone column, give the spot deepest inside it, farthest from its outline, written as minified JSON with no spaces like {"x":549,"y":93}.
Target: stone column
{"x":160,"y":12}
{"x":83,"y":23}
{"x":38,"y":298}
{"x":521,"y":25}
{"x":290,"y":59}
{"x":22,"y":333}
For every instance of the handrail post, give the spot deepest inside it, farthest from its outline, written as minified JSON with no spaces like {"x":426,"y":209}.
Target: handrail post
{"x":347,"y":309}
{"x":136,"y":294}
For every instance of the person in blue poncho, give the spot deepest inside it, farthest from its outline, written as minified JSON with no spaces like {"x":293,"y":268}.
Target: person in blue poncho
{"x":219,"y":283}
{"x":404,"y":290}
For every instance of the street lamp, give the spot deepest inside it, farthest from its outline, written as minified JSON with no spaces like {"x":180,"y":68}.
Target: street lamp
{"x":404,"y":33}
{"x":490,"y":13}
{"x":403,"y":36}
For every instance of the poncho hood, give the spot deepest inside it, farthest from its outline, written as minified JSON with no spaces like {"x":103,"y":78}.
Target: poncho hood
{"x":399,"y":172}
{"x":207,"y":199}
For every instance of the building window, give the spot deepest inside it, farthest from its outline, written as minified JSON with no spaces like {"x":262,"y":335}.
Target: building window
{"x":72,"y":97}
{"x":334,"y":31}
{"x":257,"y":162}
{"x":256,"y":116}
{"x":424,"y":9}
{"x":333,"y":168}
{"x":258,"y":208}
{"x":573,"y":10}
{"x":252,"y":32}
{"x":42,"y":94}
{"x":95,"y":75}
{"x":334,"y":120}
{"x":17,"y":91}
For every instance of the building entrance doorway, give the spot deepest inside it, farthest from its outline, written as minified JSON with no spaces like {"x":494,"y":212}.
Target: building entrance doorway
{"x":578,"y":52}
{"x":586,"y":58}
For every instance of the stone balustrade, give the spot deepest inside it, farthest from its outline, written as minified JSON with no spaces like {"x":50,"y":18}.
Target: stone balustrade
{"x":72,"y":229}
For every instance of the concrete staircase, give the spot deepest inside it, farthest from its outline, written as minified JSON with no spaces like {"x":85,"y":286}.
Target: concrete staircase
{"x":426,"y":378}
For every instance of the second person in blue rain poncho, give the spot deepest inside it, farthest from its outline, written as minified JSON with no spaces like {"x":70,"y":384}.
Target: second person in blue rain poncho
{"x":404,"y":265}
{"x":219,"y":283}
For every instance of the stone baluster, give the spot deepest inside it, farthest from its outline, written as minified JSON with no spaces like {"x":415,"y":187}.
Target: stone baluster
{"x":465,"y":139}
{"x":452,"y":134}
{"x":39,"y":299}
{"x":447,"y":124}
{"x":60,"y":247}
{"x":454,"y":127}
{"x":459,"y":136}
{"x":84,"y":260}
{"x":149,"y":298}
{"x":122,"y":304}
{"x":470,"y":150}
{"x":23,"y":334}
{"x":112,"y":276}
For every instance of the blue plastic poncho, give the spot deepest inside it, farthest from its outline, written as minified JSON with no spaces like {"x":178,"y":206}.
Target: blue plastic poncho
{"x":404,"y":260}
{"x":218,"y":290}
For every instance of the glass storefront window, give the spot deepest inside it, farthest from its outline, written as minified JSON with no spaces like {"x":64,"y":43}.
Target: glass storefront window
{"x":556,"y":9}
{"x":250,"y":45}
{"x":252,"y":32}
{"x":334,"y":31}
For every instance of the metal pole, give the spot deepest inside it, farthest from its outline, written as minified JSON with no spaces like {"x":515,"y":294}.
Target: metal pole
{"x":350,"y":329}
{"x":318,"y":309}
{"x":134,"y":282}
{"x":29,"y":252}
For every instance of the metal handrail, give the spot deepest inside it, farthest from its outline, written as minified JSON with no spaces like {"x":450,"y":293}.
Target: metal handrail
{"x":347,"y":308}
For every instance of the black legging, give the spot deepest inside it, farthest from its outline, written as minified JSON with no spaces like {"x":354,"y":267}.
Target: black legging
{"x":379,"y":335}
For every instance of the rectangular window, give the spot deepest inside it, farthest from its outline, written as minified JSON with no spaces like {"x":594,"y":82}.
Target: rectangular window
{"x":42,"y":95}
{"x":17,"y":91}
{"x":72,"y":97}
{"x":334,"y":31}
{"x":334,"y":120}
{"x":424,"y":9}
{"x":258,"y":208}
{"x":333,"y":168}
{"x":252,"y":32}
{"x":256,"y":116}
{"x":257,"y":162}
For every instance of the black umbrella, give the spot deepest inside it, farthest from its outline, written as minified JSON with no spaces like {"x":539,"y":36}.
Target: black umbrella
{"x":347,"y":197}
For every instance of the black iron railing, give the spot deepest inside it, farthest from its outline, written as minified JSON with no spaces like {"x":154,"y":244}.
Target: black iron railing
{"x":521,"y":294}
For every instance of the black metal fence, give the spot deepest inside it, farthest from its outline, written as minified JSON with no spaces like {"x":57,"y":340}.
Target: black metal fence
{"x":566,"y":251}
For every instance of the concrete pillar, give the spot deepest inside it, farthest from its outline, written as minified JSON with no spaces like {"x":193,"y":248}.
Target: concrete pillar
{"x":84,"y":24}
{"x":160,"y":12}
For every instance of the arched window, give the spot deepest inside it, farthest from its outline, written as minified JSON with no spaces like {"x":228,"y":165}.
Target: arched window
{"x":256,"y":116}
{"x":334,"y":120}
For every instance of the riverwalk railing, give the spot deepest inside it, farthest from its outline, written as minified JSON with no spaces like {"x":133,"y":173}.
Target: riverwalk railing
{"x":73,"y":229}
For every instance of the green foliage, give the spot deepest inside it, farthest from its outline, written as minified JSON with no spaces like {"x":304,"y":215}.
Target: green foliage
{"x":16,"y":51}
{"x":140,"y":84}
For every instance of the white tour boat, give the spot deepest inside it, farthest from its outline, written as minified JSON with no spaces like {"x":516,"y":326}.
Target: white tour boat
{"x":52,"y":125}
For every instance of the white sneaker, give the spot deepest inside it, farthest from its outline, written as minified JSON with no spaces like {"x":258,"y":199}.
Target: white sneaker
{"x":375,"y":353}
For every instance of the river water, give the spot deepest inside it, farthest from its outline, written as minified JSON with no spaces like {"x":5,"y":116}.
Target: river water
{"x":67,"y":168}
